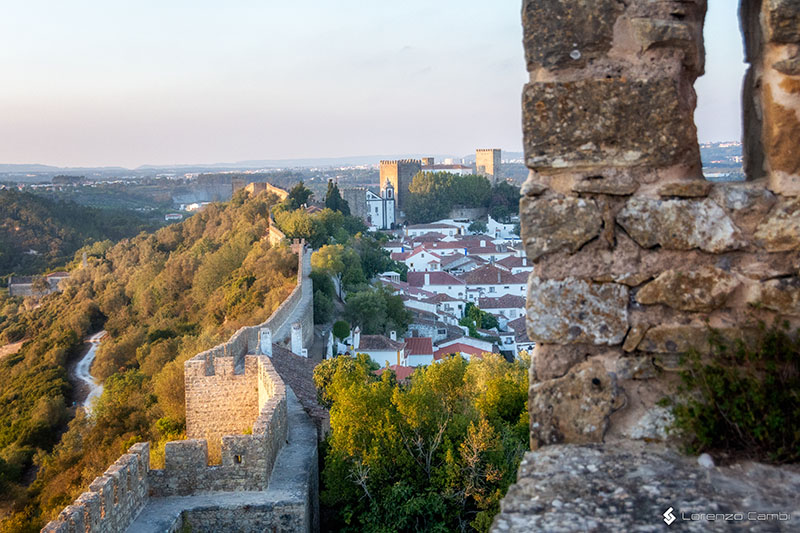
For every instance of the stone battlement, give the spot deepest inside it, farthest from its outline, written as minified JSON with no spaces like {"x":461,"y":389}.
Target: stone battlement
{"x":400,"y":161}
{"x":113,"y":499}
{"x":236,"y":413}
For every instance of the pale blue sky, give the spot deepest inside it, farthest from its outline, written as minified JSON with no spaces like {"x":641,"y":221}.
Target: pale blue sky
{"x":176,"y":81}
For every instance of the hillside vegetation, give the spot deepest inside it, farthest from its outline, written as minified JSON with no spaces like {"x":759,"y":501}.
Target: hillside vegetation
{"x":434,"y":454}
{"x":163,"y":297}
{"x":55,"y":230}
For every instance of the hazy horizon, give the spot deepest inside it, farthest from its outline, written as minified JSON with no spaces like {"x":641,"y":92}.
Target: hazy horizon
{"x":90,"y":84}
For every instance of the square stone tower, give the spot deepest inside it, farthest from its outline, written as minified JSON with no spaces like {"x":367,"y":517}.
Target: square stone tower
{"x":399,"y":173}
{"x":487,"y":163}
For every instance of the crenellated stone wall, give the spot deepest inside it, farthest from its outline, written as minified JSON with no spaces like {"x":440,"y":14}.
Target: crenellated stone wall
{"x":247,"y":455}
{"x":113,"y":499}
{"x":236,"y":410}
{"x":635,"y":253}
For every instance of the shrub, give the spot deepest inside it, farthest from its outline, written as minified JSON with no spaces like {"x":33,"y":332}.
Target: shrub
{"x":744,"y":399}
{"x":341,"y":329}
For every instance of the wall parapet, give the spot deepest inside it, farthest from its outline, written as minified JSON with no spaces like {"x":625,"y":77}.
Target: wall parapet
{"x":116,"y":498}
{"x":246,"y":459}
{"x":113,"y":500}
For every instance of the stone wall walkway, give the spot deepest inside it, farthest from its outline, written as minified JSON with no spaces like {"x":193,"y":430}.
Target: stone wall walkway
{"x":302,"y":310}
{"x":628,"y":486}
{"x":289,"y":504}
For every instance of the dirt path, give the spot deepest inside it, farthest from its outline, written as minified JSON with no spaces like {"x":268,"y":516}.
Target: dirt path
{"x":87,"y":388}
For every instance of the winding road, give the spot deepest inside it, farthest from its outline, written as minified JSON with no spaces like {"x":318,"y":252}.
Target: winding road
{"x":82,"y":370}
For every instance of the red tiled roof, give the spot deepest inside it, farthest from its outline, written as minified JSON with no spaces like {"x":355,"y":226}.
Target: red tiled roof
{"x":491,"y":275}
{"x":504,"y":302}
{"x":520,"y":331}
{"x":419,"y":346}
{"x":378,"y":342}
{"x":432,"y":226}
{"x":457,"y":348}
{"x":417,"y":279}
{"x":514,"y":261}
{"x":402,"y":373}
{"x":441,"y":297}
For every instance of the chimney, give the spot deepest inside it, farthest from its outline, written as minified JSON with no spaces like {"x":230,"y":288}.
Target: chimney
{"x":265,"y":341}
{"x":427,"y":279}
{"x":357,"y":338}
{"x":393,"y":335}
{"x":297,"y":338}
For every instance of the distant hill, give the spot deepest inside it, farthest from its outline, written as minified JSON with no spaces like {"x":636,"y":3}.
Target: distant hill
{"x":37,"y":233}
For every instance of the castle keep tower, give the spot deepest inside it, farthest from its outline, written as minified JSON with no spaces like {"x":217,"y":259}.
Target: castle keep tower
{"x":487,"y":163}
{"x":399,"y":174}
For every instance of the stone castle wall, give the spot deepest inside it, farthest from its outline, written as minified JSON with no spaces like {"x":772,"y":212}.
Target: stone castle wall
{"x":246,"y":459}
{"x":635,"y":253}
{"x":236,"y":407}
{"x":113,"y":499}
{"x":400,"y":174}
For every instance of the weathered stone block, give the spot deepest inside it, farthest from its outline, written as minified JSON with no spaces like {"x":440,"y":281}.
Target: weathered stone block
{"x":675,"y":338}
{"x":782,"y":295}
{"x":685,"y":189}
{"x":567,"y":33}
{"x":550,"y":361}
{"x":704,"y":289}
{"x":746,"y":203}
{"x":574,"y":408}
{"x":634,"y":337}
{"x":679,"y":225}
{"x":781,"y":231}
{"x":635,"y":367}
{"x":685,"y":34}
{"x":607,"y":123}
{"x":553,"y":224}
{"x":781,"y":131}
{"x":611,"y":182}
{"x":782,"y":21}
{"x":577,"y":311}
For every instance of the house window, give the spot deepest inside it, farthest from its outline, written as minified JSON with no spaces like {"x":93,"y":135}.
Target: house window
{"x":441,"y":332}
{"x":506,"y":287}
{"x":491,"y":289}
{"x":237,"y":459}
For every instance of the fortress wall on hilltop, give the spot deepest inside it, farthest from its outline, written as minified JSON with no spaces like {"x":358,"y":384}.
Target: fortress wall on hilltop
{"x":236,"y":407}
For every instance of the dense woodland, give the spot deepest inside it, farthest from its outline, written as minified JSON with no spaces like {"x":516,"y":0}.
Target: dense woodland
{"x":162,"y":297}
{"x":434,"y":194}
{"x":434,"y":454}
{"x":54,"y":230}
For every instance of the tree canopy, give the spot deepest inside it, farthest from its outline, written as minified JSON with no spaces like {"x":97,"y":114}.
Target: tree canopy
{"x":432,"y":195}
{"x":37,"y":233}
{"x":436,"y":454}
{"x":334,"y":200}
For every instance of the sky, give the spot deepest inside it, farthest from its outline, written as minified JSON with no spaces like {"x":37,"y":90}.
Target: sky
{"x":124,"y":83}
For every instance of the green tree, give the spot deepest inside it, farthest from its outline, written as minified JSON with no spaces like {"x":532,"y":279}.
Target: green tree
{"x":433,"y":455}
{"x":341,"y":330}
{"x":503,"y":203}
{"x":340,"y":262}
{"x":299,"y":195}
{"x":477,"y":226}
{"x":377,"y":311}
{"x":334,"y":200}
